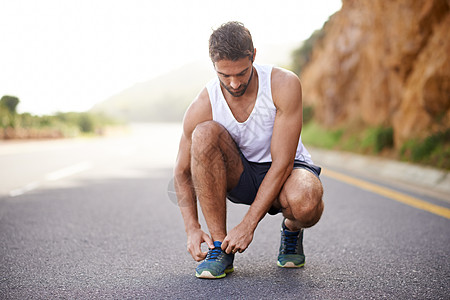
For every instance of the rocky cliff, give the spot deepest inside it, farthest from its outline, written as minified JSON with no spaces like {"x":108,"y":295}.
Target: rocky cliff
{"x":384,"y":63}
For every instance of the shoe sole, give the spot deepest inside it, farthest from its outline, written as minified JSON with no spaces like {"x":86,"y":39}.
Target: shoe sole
{"x":208,"y":275}
{"x":290,"y":264}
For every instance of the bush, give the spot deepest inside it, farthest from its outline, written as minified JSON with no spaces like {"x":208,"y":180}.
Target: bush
{"x":86,"y":122}
{"x":376,"y":139}
{"x":433,"y":150}
{"x":68,"y":124}
{"x":384,"y":138}
{"x":308,"y":114}
{"x":6,"y":118}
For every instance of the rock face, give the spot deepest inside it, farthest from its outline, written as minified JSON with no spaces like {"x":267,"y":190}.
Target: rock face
{"x":384,"y":63}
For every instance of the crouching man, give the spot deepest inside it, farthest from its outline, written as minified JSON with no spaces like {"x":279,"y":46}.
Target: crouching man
{"x":241,"y":141}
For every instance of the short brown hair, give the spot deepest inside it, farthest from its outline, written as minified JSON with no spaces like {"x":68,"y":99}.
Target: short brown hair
{"x":231,"y":41}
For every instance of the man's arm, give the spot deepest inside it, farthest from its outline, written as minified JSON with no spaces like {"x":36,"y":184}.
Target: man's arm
{"x":287,"y":97}
{"x":199,"y":111}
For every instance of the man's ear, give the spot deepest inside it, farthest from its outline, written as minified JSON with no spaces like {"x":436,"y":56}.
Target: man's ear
{"x":253,"y":55}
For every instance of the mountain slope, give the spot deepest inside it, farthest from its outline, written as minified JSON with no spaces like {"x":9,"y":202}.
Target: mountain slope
{"x":384,"y":63}
{"x":164,"y":98}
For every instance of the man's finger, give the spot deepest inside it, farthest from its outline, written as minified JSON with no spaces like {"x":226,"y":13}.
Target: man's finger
{"x":199,"y":255}
{"x":196,"y":252}
{"x":229,"y":249}
{"x":198,"y":258}
{"x":208,"y":241}
{"x":202,"y":255}
{"x":225,"y":245}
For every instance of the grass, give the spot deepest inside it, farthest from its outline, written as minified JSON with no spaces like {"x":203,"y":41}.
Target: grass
{"x":317,"y":136}
{"x":379,"y":140}
{"x":350,"y":138}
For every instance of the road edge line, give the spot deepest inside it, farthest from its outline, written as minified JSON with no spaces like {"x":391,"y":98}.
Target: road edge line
{"x":68,"y":171}
{"x":389,"y":193}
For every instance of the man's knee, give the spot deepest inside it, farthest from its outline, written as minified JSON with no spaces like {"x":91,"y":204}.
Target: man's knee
{"x":305,"y":206}
{"x":204,"y":137}
{"x":211,"y":141}
{"x":309,"y":214}
{"x":206,"y":133}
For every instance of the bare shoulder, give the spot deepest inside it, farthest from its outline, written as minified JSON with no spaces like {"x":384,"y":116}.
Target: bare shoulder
{"x":198,"y":111}
{"x":285,"y":86}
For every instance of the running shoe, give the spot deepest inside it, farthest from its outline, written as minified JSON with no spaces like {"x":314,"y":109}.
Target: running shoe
{"x":291,"y":248}
{"x":217,"y":263}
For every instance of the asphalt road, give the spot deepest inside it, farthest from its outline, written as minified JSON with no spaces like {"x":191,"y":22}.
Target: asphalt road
{"x":95,"y":219}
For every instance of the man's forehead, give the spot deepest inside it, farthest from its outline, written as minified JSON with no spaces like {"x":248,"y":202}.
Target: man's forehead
{"x":229,"y":67}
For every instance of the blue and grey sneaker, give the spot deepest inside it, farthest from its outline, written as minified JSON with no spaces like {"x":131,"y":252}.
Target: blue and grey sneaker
{"x":217,"y":263}
{"x":291,"y":248}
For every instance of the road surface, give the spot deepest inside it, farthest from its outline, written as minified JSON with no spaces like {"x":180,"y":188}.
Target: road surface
{"x":96,"y":219}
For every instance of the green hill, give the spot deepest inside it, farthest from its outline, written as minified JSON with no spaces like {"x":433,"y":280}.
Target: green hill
{"x":164,"y":98}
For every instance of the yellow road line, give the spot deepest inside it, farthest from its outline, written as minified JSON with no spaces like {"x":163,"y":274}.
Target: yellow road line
{"x":408,"y":200}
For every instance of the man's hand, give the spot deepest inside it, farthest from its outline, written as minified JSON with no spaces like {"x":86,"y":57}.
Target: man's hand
{"x":238,"y":238}
{"x":194,"y":240}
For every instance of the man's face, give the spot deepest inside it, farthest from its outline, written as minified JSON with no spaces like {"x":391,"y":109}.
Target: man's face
{"x":235,"y":76}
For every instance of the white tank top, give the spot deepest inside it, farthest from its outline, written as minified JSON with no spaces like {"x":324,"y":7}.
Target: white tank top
{"x":253,"y":136}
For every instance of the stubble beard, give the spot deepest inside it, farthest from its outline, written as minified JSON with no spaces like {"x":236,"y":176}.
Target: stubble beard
{"x":243,"y":88}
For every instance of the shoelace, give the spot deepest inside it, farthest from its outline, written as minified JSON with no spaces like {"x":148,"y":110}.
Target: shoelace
{"x":213,"y":254}
{"x":290,"y":240}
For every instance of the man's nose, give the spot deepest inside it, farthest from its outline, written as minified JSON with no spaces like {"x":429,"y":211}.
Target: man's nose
{"x":235,"y":84}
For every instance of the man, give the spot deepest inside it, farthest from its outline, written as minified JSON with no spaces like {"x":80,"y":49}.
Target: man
{"x":241,"y":140}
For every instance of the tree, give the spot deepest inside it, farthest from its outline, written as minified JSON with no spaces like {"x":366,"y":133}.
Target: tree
{"x":10,"y":103}
{"x":302,"y":55}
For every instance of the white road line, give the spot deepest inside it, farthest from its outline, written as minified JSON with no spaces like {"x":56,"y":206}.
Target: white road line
{"x":59,"y":174}
{"x":74,"y":169}
{"x":23,"y":190}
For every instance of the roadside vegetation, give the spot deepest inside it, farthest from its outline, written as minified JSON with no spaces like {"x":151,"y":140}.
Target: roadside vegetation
{"x":355,"y":137}
{"x":60,"y":125}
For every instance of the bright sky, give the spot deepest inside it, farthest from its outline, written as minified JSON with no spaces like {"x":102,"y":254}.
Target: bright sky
{"x":68,"y":55}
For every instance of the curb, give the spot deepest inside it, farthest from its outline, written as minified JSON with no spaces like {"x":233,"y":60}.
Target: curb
{"x":434,"y":182}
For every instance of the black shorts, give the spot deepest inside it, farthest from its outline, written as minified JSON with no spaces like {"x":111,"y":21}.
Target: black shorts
{"x":253,"y":175}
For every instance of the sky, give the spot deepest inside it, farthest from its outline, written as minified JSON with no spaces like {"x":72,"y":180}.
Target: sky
{"x":67,"y":55}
